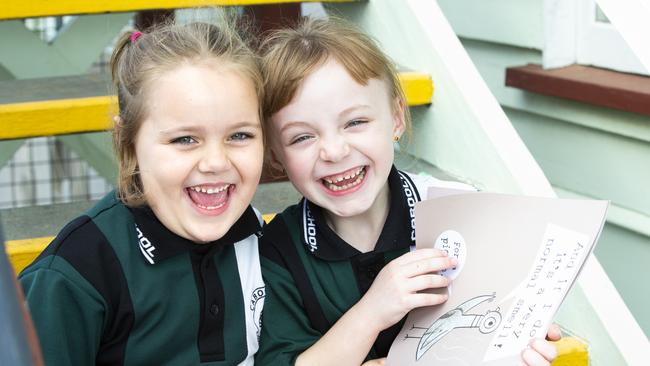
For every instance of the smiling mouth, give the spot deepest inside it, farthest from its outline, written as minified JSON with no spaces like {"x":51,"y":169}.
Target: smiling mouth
{"x":346,"y":180}
{"x":209,"y":197}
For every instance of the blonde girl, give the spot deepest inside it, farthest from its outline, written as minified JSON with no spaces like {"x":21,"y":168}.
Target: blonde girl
{"x":164,"y":270}
{"x":339,"y":274}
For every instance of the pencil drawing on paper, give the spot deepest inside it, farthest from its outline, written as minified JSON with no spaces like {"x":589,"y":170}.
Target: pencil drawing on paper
{"x":458,"y":318}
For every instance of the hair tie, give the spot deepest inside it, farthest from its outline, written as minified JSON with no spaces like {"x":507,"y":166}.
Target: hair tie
{"x":135,"y":35}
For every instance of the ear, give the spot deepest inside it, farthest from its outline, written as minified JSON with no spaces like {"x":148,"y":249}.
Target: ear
{"x":117,"y":125}
{"x":274,"y":161}
{"x":399,"y":124}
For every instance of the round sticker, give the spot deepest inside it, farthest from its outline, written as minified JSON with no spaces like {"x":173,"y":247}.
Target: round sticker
{"x":452,"y":242}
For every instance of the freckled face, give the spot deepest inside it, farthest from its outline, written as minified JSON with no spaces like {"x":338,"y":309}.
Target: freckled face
{"x":199,"y":150}
{"x":335,"y":140}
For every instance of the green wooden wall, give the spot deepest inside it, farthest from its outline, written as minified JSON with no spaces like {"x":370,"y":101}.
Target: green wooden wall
{"x":585,"y":151}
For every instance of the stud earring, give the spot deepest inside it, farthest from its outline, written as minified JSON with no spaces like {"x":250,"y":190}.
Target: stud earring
{"x":396,"y":138}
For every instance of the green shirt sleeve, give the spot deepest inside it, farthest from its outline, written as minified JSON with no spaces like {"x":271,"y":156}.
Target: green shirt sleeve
{"x":68,"y":313}
{"x":286,"y":330}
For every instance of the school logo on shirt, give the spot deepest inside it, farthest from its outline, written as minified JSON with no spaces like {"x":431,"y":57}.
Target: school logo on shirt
{"x":146,"y":247}
{"x":256,"y":306}
{"x":310,"y":228}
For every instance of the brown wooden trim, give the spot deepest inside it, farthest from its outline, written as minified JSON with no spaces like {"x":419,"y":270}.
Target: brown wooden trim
{"x":605,"y":88}
{"x":146,"y":18}
{"x":273,"y":16}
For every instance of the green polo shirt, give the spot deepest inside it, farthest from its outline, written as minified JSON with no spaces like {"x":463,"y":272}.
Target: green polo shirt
{"x":313,"y":276}
{"x":116,"y":287}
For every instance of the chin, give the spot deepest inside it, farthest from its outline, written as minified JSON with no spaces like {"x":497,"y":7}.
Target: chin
{"x":207,"y":233}
{"x":347,"y":211}
{"x":206,"y":239}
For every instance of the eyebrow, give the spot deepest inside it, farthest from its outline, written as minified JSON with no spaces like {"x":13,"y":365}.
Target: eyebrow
{"x":194,"y":128}
{"x":353,"y":108}
{"x":250,"y":124}
{"x":292,"y":124}
{"x":342,"y":113}
{"x":175,"y":130}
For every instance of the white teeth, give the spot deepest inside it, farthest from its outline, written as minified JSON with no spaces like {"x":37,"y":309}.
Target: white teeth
{"x":340,"y":178}
{"x":211,"y":207}
{"x":209,"y":190}
{"x":360,"y":175}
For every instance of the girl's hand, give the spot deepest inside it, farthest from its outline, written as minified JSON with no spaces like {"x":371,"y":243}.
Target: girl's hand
{"x":395,"y":290}
{"x":554,"y":333}
{"x":542,"y":352}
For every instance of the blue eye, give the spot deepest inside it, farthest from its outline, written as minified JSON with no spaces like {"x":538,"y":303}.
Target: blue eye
{"x":355,"y":122}
{"x":241,"y":136}
{"x":300,"y":139}
{"x":184,"y":140}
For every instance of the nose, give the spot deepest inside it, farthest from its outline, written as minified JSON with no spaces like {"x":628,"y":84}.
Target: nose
{"x":214,"y":158}
{"x":334,"y":148}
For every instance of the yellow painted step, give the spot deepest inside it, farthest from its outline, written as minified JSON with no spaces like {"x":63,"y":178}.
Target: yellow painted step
{"x":571,"y":352}
{"x":56,"y":117}
{"x":74,"y":113}
{"x":16,"y":9}
{"x":55,"y":106}
{"x":417,"y":86}
{"x":23,"y":252}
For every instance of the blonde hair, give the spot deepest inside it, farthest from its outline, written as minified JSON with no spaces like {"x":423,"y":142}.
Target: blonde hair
{"x":290,"y":55}
{"x":139,"y":59}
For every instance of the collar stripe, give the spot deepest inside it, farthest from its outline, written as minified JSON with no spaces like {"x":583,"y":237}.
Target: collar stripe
{"x":399,"y":181}
{"x":309,"y":227}
{"x":412,"y":196}
{"x":411,"y":185}
{"x":304,"y":220}
{"x":145,"y":245}
{"x":157,"y":243}
{"x":146,"y":256}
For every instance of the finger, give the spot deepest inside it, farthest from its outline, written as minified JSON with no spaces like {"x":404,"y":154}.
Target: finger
{"x":375,"y":362}
{"x":419,"y":300}
{"x":417,"y":255}
{"x":426,"y":281}
{"x":546,"y":349}
{"x":428,"y":265}
{"x":554,"y":333}
{"x":532,"y":358}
